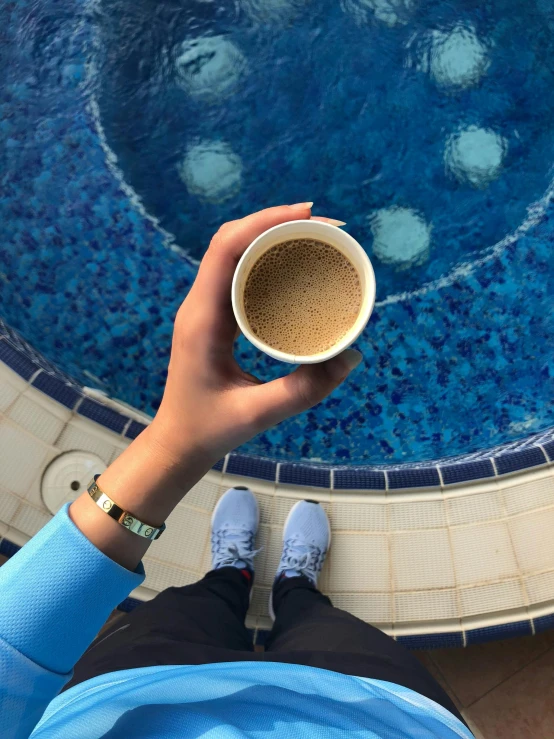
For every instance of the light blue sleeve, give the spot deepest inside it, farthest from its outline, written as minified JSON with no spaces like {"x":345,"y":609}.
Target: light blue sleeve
{"x":55,"y":595}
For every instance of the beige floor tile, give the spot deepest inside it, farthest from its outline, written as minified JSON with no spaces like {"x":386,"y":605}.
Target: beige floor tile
{"x":522,"y":707}
{"x":472,"y":672}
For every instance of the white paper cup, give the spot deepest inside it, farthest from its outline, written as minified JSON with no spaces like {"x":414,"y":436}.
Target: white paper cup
{"x":305,"y":230}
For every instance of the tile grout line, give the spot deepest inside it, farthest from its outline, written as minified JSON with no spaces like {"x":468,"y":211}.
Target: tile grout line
{"x":507,"y":519}
{"x":389,"y":549}
{"x":331,"y":512}
{"x":520,"y":669}
{"x":33,"y":377}
{"x":441,"y":673}
{"x":126,"y":428}
{"x":457,"y":588}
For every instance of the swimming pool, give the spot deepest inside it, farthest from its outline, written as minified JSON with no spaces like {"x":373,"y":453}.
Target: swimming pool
{"x":131,"y":130}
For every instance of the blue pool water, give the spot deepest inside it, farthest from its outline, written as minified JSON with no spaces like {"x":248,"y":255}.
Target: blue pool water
{"x":130,"y":131}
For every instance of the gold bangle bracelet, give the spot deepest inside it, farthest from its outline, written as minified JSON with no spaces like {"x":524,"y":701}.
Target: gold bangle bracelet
{"x":124,"y":518}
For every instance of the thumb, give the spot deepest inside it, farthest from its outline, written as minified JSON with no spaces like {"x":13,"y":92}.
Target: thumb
{"x":303,"y":388}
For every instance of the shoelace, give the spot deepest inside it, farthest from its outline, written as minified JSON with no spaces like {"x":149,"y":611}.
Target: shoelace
{"x":304,"y":558}
{"x":233,"y":545}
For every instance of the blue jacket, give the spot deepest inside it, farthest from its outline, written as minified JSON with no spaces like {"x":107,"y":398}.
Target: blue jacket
{"x":56,"y":593}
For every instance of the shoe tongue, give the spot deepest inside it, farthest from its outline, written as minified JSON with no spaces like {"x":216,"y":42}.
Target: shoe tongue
{"x":235,"y":534}
{"x":299,"y":549}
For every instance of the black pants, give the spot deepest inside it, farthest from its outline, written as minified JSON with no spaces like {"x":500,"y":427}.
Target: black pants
{"x":204,"y":623}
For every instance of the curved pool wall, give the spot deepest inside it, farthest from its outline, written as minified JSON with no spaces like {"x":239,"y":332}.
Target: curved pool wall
{"x":93,"y":282}
{"x":534,"y":451}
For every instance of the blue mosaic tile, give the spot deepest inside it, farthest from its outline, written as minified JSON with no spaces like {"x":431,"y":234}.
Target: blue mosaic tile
{"x":240,"y":464}
{"x":413,"y":478}
{"x":107,"y":417}
{"x":8,"y":548}
{"x":465,"y":471}
{"x":38,"y":359}
{"x":432,"y":641}
{"x":17,"y":361}
{"x":358,"y":478}
{"x":549,"y":449}
{"x":57,"y":389}
{"x":219,"y":465}
{"x":64,"y":210}
{"x":134,"y":429}
{"x":514,"y":461}
{"x":129,"y":604}
{"x":500,"y":631}
{"x":544,"y":623}
{"x":303,"y":474}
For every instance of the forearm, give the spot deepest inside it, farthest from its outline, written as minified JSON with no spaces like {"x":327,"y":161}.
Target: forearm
{"x":59,"y":589}
{"x":148,"y":481}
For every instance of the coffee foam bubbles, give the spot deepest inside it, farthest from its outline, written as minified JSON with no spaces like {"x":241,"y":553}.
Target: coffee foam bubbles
{"x":302,"y":296}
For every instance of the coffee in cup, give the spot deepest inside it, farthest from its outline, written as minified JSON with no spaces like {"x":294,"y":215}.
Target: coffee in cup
{"x":302,"y":296}
{"x":303,"y":291}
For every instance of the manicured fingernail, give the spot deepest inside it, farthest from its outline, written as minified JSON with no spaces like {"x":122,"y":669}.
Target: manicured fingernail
{"x":301,"y":206}
{"x":334,"y":222}
{"x":352,"y":358}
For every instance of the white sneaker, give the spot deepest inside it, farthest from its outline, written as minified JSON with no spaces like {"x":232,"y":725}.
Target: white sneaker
{"x":306,"y":541}
{"x":235,"y":523}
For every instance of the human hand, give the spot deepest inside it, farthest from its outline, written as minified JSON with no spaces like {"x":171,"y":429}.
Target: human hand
{"x":210,"y":403}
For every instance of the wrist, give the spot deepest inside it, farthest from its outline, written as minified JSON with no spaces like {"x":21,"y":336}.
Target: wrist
{"x":148,"y":482}
{"x":178,"y":444}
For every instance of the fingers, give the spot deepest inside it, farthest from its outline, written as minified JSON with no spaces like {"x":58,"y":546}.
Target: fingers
{"x":232,"y":240}
{"x":212,"y":287}
{"x":330,"y":221}
{"x":300,"y":390}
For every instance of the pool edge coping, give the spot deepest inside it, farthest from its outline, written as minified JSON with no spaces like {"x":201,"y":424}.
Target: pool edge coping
{"x":530,"y":452}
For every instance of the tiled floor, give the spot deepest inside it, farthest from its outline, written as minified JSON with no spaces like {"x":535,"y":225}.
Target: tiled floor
{"x":504,"y":689}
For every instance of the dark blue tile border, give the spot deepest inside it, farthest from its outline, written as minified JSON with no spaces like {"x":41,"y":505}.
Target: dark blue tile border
{"x":304,"y":474}
{"x":466,"y":471}
{"x":519,"y":460}
{"x":261,"y":637}
{"x":8,"y":548}
{"x":241,"y":464}
{"x":359,"y":478}
{"x":219,"y":465}
{"x":16,"y":360}
{"x":432,"y":641}
{"x":500,"y":631}
{"x":549,"y":449}
{"x":129,"y":604}
{"x":422,"y":477}
{"x":134,"y":429}
{"x":57,"y":389}
{"x":103,"y":415}
{"x":544,"y":623}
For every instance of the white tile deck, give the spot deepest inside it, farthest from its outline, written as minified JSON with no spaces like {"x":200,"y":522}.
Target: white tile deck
{"x":411,"y":562}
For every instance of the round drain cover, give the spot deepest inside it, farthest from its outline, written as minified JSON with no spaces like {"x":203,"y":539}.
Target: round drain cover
{"x":67,"y":477}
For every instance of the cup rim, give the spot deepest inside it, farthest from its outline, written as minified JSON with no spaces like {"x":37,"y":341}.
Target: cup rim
{"x":361,"y":321}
